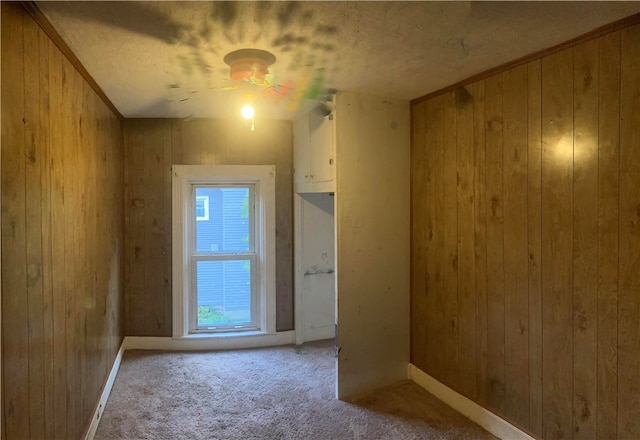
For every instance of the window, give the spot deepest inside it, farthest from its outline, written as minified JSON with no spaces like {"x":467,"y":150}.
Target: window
{"x":202,"y":208}
{"x":224,"y":249}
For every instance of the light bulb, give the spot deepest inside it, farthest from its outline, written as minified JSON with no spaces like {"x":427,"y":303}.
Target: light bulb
{"x":247,"y":112}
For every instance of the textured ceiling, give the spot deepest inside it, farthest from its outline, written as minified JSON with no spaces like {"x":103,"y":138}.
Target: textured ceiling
{"x":165,"y":59}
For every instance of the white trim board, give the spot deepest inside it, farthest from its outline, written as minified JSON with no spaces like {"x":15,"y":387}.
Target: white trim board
{"x":468,"y":408}
{"x":184,"y":179}
{"x":297,"y":264}
{"x":209,"y":342}
{"x":106,"y":391}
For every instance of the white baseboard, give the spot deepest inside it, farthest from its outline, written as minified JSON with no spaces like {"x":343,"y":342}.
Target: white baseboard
{"x":208,"y":342}
{"x":102,"y":402}
{"x":468,"y":408}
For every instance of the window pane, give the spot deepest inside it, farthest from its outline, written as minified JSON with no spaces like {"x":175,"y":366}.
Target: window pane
{"x":226,"y":227}
{"x":202,"y":208}
{"x":223,"y":292}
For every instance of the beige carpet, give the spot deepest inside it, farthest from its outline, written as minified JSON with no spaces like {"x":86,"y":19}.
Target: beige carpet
{"x":274,"y":393}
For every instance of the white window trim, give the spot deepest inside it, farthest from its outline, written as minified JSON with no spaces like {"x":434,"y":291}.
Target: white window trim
{"x":206,"y":207}
{"x":263,"y":177}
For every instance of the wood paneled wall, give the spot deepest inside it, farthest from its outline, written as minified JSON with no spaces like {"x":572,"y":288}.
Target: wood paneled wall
{"x":151,"y":147}
{"x":526,"y":240}
{"x":62,"y":153}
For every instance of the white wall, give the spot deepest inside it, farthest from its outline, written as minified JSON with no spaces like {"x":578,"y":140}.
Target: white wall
{"x":372,"y":209}
{"x":317,"y":266}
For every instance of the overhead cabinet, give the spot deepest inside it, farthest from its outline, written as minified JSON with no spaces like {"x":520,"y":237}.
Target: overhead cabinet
{"x":314,"y":140}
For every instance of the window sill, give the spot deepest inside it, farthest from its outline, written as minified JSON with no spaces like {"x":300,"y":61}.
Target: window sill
{"x":211,"y":341}
{"x":224,"y":335}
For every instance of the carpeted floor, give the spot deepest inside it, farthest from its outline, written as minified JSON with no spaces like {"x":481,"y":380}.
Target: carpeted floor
{"x":273,"y":393}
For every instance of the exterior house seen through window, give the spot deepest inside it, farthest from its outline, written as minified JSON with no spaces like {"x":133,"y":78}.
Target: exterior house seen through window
{"x":202,"y":208}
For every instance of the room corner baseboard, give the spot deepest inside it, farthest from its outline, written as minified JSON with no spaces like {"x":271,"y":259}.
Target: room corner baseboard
{"x":202,"y":342}
{"x":102,"y":402}
{"x":468,"y":408}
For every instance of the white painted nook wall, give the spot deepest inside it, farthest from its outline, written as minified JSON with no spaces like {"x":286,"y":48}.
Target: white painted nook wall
{"x":317,"y":266}
{"x":372,"y":211}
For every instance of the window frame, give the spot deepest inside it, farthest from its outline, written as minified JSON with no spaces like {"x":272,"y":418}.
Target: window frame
{"x":184,"y":177}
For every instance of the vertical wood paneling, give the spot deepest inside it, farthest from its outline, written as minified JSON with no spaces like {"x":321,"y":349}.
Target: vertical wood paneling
{"x":516,"y":289}
{"x":128,"y":221}
{"x":154,"y":230}
{"x":151,"y":147}
{"x":281,"y":153}
{"x":608,"y":193}
{"x":82,"y":276}
{"x":58,"y":246}
{"x":135,"y":313}
{"x":450,"y":248}
{"x":15,"y":321}
{"x":272,"y":146}
{"x":440,"y":332}
{"x":419,"y":231}
{"x":466,"y":243}
{"x":57,"y":347}
{"x":495,"y":244}
{"x":90,"y":212}
{"x":480,"y":241}
{"x":629,"y":224}
{"x":176,"y":142}
{"x":585,"y":238}
{"x":101,"y":270}
{"x":167,"y":277}
{"x":191,"y":142}
{"x":70,"y":194}
{"x":33,"y":220}
{"x":46,"y":161}
{"x":554,"y":226}
{"x":557,"y":243}
{"x":431,"y":353}
{"x":209,"y":133}
{"x":534,"y":224}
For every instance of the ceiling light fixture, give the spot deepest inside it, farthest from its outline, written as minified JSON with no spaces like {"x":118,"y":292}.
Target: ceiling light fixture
{"x":249,"y":64}
{"x":252,"y":66}
{"x":248,"y":112}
